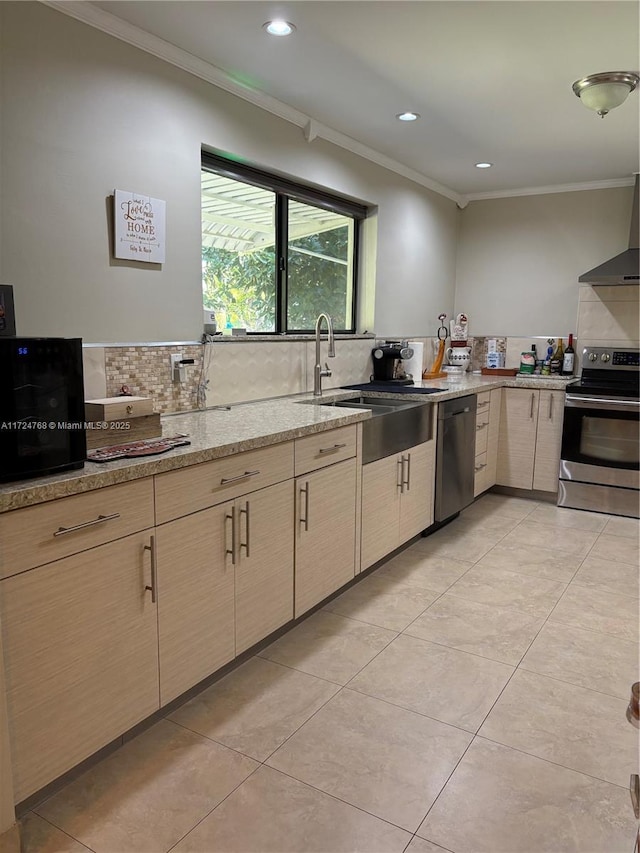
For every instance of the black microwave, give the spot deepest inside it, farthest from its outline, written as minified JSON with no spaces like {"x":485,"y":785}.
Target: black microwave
{"x":42,"y":429}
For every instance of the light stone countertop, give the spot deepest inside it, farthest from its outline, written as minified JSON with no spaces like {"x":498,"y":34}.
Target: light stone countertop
{"x":221,"y":431}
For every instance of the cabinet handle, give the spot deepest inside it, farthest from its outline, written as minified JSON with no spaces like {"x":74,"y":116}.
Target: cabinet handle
{"x":481,"y":405}
{"x":305,"y":490}
{"x":480,"y":467}
{"x":62,"y":531}
{"x":400,"y":485}
{"x":634,"y":790}
{"x":480,"y":426}
{"x":550,"y":407}
{"x":226,"y":480}
{"x":232,"y":551}
{"x":408,"y":480}
{"x":533,"y":399}
{"x":246,"y":512}
{"x":331,"y":449}
{"x":154,"y":570}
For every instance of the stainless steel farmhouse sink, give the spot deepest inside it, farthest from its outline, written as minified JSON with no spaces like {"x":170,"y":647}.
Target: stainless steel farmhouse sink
{"x":394,"y":426}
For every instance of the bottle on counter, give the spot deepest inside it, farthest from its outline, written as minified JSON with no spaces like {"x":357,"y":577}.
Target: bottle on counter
{"x":557,"y":359}
{"x":568,"y":362}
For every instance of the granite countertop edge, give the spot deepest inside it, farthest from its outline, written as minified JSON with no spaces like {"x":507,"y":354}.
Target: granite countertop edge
{"x":223,"y":431}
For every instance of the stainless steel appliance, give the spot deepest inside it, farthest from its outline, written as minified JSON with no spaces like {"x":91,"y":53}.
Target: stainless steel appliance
{"x":455,"y":456}
{"x":42,"y":428}
{"x":625,"y":267}
{"x":387,"y":362}
{"x":599,"y":466}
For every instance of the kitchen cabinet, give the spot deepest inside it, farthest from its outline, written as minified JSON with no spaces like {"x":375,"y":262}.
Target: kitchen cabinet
{"x":81,"y":656}
{"x":530,"y":439}
{"x":225,"y":572}
{"x":264,"y":563}
{"x":487,"y":433}
{"x":196,"y":627}
{"x":325,"y":532}
{"x":397,"y":500}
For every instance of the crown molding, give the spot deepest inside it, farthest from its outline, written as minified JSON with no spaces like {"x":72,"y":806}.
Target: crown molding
{"x":161,"y":49}
{"x":556,"y":188}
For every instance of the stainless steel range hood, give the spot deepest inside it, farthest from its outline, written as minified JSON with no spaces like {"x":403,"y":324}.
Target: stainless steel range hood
{"x":625,"y":267}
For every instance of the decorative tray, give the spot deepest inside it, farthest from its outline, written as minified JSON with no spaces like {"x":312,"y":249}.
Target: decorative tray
{"x":150,"y":447}
{"x":499,"y":371}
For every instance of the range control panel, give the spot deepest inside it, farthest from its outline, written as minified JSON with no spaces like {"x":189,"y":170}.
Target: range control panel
{"x":603,"y":358}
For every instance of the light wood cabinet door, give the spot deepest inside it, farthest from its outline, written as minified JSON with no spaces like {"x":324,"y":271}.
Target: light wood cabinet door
{"x":416,"y":499}
{"x":81,"y":656}
{"x":264,"y":563}
{"x":381,"y":484}
{"x":517,"y":442}
{"x":548,"y":440}
{"x":325,"y":531}
{"x":195,"y":598}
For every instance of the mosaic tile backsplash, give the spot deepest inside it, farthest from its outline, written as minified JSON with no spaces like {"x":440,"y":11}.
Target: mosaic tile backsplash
{"x":234,"y":371}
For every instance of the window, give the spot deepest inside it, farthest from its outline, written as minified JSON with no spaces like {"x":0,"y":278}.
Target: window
{"x":276,"y":254}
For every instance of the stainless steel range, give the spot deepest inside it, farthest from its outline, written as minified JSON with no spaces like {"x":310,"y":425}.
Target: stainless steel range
{"x":599,"y":466}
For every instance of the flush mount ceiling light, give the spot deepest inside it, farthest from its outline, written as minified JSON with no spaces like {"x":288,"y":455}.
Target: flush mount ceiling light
{"x":408,"y":116}
{"x":604,"y":91}
{"x":278,"y":28}
{"x":483,"y":165}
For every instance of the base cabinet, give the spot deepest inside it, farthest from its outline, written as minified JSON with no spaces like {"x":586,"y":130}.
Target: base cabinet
{"x":264,"y":563}
{"x":196,"y":598}
{"x":325,"y":533}
{"x":487,"y":436}
{"x":81,"y":656}
{"x":397,"y":500}
{"x":530,"y":439}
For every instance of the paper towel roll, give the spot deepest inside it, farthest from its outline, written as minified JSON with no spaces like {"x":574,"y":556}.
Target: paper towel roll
{"x":414,"y":365}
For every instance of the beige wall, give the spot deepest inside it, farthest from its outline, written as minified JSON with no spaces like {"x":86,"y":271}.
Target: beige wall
{"x":519,"y":258}
{"x":84,"y":113}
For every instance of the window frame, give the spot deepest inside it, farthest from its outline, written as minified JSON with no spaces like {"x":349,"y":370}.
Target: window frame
{"x":286,"y":189}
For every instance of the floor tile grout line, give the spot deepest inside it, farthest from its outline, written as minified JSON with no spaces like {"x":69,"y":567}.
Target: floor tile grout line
{"x":55,"y":826}
{"x":211,"y":811}
{"x":624,"y":699}
{"x":339,"y":799}
{"x":410,"y":710}
{"x":553,"y":763}
{"x":605,"y":590}
{"x":448,"y":779}
{"x":302,"y":671}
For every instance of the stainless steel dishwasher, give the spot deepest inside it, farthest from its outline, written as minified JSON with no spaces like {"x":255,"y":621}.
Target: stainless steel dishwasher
{"x":455,"y":456}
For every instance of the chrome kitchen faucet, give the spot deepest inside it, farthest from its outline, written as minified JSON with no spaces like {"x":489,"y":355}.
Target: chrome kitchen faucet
{"x":318,"y":370}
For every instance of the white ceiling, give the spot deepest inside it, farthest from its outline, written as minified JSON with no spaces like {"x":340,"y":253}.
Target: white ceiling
{"x":491,"y":80}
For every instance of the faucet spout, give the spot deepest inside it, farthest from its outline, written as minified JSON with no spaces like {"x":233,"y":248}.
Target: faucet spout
{"x":318,"y":370}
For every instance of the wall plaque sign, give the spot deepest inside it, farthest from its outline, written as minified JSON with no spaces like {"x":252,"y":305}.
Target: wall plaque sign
{"x":139,"y":227}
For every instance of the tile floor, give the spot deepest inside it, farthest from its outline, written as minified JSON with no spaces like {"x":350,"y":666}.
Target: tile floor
{"x":468,"y":696}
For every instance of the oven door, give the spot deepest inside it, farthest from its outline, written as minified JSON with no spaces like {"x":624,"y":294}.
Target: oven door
{"x":601,"y":441}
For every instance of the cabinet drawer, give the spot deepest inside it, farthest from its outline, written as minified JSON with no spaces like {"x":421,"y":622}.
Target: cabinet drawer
{"x":200,"y":486}
{"x":482,"y":435}
{"x":39,"y":534}
{"x":481,"y":478}
{"x":324,"y":448}
{"x":483,"y":402}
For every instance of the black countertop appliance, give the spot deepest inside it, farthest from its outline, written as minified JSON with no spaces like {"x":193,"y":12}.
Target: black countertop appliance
{"x":387,"y":362}
{"x":42,"y":428}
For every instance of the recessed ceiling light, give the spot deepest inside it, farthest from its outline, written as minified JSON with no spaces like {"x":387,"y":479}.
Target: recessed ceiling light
{"x":484,"y":165}
{"x":407,"y":116}
{"x":278,"y":28}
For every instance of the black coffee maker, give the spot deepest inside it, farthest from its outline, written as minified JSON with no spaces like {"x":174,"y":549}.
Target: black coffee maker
{"x":387,"y":362}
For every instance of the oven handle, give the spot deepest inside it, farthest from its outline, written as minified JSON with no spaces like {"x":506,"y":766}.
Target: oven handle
{"x":616,"y":404}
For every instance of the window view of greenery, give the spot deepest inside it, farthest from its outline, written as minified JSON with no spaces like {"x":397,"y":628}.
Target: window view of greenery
{"x":238,"y":253}
{"x":320,"y":249}
{"x":240,"y":259}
